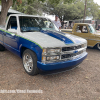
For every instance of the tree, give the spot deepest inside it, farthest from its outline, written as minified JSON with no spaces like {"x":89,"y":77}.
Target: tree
{"x":98,"y":15}
{"x":65,"y":11}
{"x":6,"y":4}
{"x":74,"y":10}
{"x":34,"y":8}
{"x":38,"y":7}
{"x":93,"y":9}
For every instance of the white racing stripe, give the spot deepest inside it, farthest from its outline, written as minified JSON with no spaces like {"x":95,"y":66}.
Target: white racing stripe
{"x":43,"y":40}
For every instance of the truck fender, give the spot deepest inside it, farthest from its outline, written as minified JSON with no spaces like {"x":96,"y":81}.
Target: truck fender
{"x":23,"y":47}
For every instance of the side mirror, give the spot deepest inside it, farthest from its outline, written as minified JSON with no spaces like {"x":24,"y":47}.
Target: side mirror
{"x":12,"y":30}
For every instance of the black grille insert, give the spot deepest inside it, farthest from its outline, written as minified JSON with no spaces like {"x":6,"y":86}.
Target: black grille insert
{"x":70,"y":55}
{"x":71,"y":48}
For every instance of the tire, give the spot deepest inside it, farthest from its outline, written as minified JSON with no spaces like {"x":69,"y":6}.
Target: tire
{"x":30,"y":62}
{"x":2,"y":48}
{"x":98,"y":46}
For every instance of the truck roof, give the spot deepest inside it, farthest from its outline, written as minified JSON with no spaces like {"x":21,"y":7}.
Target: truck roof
{"x":17,"y":15}
{"x":82,"y":23}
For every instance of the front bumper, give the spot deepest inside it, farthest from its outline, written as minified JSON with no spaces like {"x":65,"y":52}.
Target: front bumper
{"x":61,"y":65}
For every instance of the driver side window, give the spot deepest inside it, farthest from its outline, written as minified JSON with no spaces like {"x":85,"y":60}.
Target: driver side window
{"x":12,"y":23}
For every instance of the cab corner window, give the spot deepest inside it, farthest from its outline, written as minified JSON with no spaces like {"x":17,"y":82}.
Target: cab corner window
{"x":81,"y":29}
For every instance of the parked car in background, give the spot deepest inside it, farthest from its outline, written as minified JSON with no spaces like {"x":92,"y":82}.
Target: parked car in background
{"x":86,"y":31}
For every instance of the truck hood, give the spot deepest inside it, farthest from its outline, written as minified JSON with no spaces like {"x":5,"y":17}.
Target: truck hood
{"x":53,"y":38}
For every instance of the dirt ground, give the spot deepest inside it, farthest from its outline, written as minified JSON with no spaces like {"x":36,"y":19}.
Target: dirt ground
{"x":81,"y":83}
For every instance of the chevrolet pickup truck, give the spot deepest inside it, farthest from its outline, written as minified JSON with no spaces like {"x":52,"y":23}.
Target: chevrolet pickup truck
{"x":86,"y":31}
{"x":42,"y":47}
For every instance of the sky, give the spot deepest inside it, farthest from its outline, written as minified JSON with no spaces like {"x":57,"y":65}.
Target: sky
{"x":97,"y":1}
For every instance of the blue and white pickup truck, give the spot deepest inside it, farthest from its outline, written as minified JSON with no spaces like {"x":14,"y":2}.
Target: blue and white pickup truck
{"x":42,"y":47}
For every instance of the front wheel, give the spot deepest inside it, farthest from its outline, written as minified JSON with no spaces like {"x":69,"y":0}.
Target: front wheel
{"x":98,"y":46}
{"x":30,"y":62}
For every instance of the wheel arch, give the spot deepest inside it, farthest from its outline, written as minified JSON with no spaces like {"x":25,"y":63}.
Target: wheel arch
{"x":96,"y":44}
{"x":24,"y":47}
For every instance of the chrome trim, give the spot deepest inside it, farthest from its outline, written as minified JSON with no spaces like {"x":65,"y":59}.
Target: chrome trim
{"x":84,"y":50}
{"x":86,"y":38}
{"x":90,"y":46}
{"x":66,"y":59}
{"x":93,"y":39}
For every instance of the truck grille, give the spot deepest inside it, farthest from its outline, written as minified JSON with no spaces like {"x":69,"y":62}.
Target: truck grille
{"x":71,"y":55}
{"x":72,"y":48}
{"x":73,"y":51}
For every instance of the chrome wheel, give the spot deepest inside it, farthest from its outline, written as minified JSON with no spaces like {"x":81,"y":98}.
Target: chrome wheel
{"x":28,"y":62}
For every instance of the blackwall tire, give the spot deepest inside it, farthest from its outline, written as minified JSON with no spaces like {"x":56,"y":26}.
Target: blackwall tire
{"x":98,"y":46}
{"x":30,"y":62}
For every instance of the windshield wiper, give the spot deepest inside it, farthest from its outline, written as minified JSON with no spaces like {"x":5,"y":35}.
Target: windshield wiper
{"x":31,"y":31}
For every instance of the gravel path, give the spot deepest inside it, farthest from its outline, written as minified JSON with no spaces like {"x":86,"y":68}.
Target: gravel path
{"x":81,"y":83}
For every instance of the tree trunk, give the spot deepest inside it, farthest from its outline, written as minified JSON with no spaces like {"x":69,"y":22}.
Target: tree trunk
{"x":5,"y":4}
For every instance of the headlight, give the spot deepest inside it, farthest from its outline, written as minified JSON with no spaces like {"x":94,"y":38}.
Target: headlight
{"x":53,"y":58}
{"x":84,"y":45}
{"x":51,"y":54}
{"x":54,"y":50}
{"x":50,"y":58}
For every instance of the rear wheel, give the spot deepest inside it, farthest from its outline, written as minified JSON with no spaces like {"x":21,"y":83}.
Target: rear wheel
{"x":2,"y":48}
{"x":98,"y":46}
{"x":30,"y":62}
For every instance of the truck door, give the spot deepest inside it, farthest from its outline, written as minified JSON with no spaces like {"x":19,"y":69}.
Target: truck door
{"x":82,"y":31}
{"x":92,"y":38}
{"x":10,"y":39}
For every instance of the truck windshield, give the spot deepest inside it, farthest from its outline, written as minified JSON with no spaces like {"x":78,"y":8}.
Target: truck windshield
{"x":32,"y":24}
{"x":92,"y":29}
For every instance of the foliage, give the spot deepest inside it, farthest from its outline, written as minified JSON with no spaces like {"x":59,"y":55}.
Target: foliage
{"x":92,"y":9}
{"x":25,"y":7}
{"x":29,"y":7}
{"x":74,"y":10}
{"x":65,"y":9}
{"x":98,"y":15}
{"x":36,"y":6}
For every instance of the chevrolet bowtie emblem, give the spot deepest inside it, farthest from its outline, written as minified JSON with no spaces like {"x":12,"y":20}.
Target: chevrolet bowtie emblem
{"x":75,"y":51}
